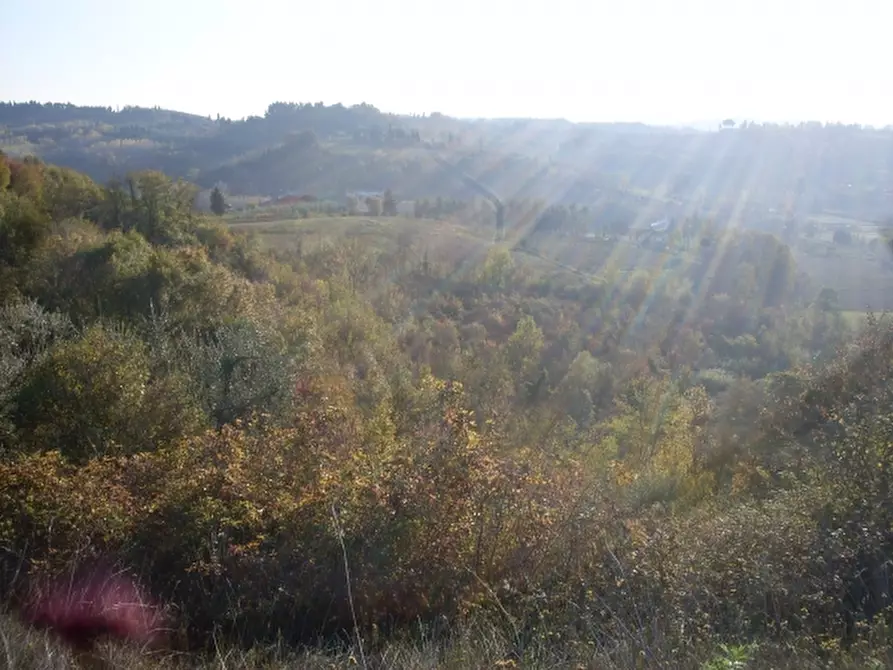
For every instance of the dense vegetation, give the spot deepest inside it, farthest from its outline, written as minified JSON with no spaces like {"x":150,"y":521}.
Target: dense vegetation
{"x":439,"y":442}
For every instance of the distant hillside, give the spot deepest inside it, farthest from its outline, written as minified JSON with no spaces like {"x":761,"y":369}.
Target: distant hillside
{"x":754,"y":175}
{"x":104,"y":142}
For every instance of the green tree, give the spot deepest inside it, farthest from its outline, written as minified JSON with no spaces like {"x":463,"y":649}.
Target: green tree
{"x":588,"y":383}
{"x":498,"y":269}
{"x":27,"y":332}
{"x":218,"y":202}
{"x":239,"y":371}
{"x":70,"y":194}
{"x":99,"y":395}
{"x":26,"y":179}
{"x":85,"y":397}
{"x":523,"y":350}
{"x":4,"y":172}
{"x":23,"y":228}
{"x":160,"y":208}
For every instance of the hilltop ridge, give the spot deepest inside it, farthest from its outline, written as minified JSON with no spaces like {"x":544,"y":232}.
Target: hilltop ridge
{"x":747,"y":173}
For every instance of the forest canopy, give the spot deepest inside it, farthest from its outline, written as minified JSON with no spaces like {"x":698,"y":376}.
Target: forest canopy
{"x":690,"y":455}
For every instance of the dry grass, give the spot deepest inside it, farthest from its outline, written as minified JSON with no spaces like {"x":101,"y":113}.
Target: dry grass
{"x":28,"y":649}
{"x":474,"y":647}
{"x":380,"y":232}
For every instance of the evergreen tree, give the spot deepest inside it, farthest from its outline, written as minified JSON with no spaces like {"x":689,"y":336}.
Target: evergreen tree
{"x":218,"y":202}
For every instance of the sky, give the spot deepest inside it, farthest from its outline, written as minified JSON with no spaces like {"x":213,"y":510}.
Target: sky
{"x":654,"y":61}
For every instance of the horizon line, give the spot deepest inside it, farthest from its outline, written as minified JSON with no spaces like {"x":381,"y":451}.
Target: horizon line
{"x":695,"y":124}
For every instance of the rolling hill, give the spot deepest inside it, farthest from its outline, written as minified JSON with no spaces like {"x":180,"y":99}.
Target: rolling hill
{"x":752,"y":175}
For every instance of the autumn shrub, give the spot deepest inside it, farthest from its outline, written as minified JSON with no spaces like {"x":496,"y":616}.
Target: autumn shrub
{"x":426,"y":525}
{"x":343,"y":440}
{"x":842,"y":420}
{"x":250,"y":528}
{"x":55,"y":514}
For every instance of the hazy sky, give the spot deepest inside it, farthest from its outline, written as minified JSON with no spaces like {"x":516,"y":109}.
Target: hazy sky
{"x":595,"y":60}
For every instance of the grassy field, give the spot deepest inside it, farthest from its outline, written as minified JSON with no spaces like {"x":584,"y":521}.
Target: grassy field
{"x":861,"y":272}
{"x":862,"y":277}
{"x":444,"y":241}
{"x":438,"y":240}
{"x":456,"y":244}
{"x":377,"y":230}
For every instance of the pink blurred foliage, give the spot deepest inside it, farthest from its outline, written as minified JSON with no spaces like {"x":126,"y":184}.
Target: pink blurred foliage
{"x":95,"y":603}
